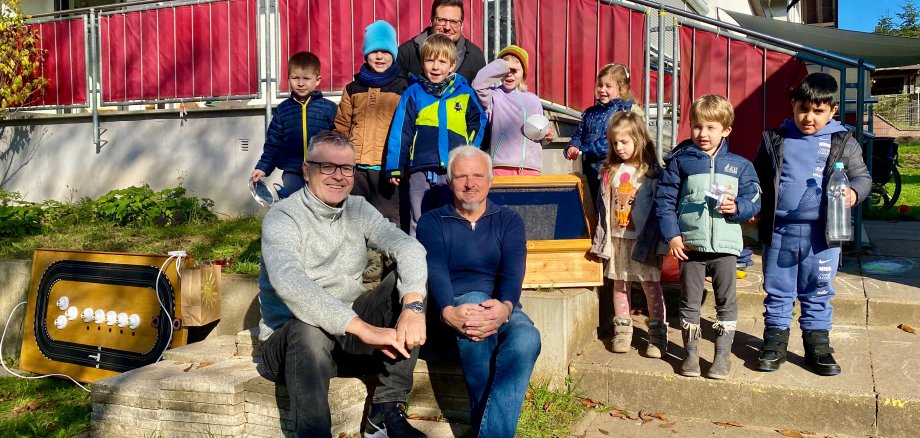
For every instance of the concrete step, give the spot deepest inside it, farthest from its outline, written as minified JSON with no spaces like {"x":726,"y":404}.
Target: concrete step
{"x":877,"y":393}
{"x":873,"y":290}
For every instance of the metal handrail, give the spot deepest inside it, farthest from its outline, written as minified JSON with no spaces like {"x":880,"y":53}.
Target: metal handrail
{"x":735,"y":28}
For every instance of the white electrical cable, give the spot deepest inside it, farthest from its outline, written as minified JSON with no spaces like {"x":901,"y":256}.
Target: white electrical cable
{"x":178,"y":255}
{"x":2,"y":362}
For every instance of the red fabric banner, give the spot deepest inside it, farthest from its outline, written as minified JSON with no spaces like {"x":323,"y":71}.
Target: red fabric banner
{"x":572,"y":43}
{"x":64,"y":66}
{"x":334,"y":32}
{"x":713,"y":64}
{"x":192,"y":51}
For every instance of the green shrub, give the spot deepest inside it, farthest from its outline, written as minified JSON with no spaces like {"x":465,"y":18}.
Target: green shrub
{"x":143,"y":206}
{"x":17,"y":217}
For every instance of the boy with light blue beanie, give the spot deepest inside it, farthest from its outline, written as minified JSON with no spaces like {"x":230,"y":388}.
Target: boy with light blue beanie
{"x":365,"y":112}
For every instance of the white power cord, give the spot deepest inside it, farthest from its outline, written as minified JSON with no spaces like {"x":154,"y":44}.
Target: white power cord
{"x":2,"y":362}
{"x":178,"y":255}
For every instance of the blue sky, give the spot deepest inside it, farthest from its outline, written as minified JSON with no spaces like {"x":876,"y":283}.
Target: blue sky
{"x":862,"y":15}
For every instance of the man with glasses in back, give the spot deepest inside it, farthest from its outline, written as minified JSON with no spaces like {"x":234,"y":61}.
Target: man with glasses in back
{"x":446,"y":18}
{"x":318,"y":321}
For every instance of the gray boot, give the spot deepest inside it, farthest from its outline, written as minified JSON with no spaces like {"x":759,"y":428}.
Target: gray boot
{"x":691,"y":334}
{"x":725,"y":335}
{"x":622,"y":334}
{"x":657,"y":338}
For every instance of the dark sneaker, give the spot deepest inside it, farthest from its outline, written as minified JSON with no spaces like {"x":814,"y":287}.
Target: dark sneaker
{"x":823,"y":364}
{"x":773,"y":353}
{"x":818,"y":353}
{"x":387,"y":420}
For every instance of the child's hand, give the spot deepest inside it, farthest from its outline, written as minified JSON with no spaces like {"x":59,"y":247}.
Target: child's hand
{"x":572,"y":153}
{"x":550,"y":135}
{"x":394,"y":181}
{"x":256,"y":175}
{"x":851,"y":198}
{"x":728,"y":205}
{"x":678,"y":247}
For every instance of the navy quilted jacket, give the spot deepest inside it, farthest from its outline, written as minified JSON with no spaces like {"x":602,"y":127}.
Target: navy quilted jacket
{"x":285,"y":145}
{"x":591,"y":135}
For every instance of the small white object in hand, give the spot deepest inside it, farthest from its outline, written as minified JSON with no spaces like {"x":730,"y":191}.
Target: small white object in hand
{"x":536,"y":126}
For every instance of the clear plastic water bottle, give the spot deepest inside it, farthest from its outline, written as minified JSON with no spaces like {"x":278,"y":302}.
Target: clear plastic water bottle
{"x":839,"y":227}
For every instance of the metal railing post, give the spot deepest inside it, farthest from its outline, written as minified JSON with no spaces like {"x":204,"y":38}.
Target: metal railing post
{"x":268,"y":42}
{"x":648,"y":61}
{"x":675,"y":59}
{"x":659,"y":101}
{"x":860,"y":116}
{"x":95,"y":62}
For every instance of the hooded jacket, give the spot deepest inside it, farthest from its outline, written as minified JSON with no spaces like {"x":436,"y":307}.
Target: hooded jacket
{"x":683,"y":209}
{"x":769,"y":165}
{"x":425,"y":128}
{"x":285,"y":143}
{"x":507,"y":111}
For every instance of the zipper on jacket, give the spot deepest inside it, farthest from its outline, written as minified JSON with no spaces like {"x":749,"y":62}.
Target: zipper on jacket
{"x":523,"y":140}
{"x":498,"y":145}
{"x":303,"y":124}
{"x":712,"y":179}
{"x":412,"y":148}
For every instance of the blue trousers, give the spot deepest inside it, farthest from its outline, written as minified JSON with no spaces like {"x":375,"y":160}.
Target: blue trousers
{"x":799,"y":264}
{"x":497,"y":371}
{"x":291,"y":182}
{"x":427,"y":191}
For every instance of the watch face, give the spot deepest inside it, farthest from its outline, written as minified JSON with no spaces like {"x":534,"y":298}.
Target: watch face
{"x":415,"y":306}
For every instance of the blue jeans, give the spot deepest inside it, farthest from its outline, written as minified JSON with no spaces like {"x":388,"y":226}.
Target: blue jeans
{"x":497,"y":371}
{"x":799,"y":264}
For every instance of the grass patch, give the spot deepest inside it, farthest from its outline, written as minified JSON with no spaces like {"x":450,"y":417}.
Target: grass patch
{"x":43,"y":408}
{"x":236,"y":241}
{"x":549,"y":413}
{"x":909,"y":168}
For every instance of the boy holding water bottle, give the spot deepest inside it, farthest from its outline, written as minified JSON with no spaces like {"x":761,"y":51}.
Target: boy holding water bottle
{"x":798,"y":158}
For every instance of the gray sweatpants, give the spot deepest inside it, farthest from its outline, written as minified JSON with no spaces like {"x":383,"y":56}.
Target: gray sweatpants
{"x":693,"y":272}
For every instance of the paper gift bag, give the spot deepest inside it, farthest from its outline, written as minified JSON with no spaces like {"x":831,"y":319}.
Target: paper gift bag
{"x":200,"y":295}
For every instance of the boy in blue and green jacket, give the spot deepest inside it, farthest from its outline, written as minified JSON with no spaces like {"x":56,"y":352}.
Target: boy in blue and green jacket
{"x":436,"y":113}
{"x":703,"y":195}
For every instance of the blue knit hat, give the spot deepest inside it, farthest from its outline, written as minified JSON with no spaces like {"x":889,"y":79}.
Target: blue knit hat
{"x":380,"y":35}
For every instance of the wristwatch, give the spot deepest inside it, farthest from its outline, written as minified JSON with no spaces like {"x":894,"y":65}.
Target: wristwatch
{"x":415,"y":306}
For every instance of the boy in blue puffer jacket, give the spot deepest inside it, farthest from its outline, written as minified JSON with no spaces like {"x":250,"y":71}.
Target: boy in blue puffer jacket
{"x":703,"y":195}
{"x":435,"y":114}
{"x":296,"y":120}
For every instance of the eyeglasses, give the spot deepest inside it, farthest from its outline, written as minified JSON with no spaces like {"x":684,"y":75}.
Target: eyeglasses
{"x":329,"y":168}
{"x":444,"y":22}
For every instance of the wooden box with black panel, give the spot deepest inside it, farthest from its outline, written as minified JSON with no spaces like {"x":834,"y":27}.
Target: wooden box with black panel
{"x":559,"y":219}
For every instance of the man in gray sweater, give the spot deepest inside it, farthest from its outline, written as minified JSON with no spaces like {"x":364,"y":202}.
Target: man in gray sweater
{"x":318,"y":321}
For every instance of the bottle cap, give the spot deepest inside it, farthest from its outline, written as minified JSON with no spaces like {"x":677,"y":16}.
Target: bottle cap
{"x":838,"y":166}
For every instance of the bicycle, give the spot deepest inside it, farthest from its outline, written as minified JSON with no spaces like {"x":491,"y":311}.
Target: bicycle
{"x":886,"y":179}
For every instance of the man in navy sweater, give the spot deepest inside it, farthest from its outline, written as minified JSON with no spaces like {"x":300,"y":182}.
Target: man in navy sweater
{"x":476,"y":256}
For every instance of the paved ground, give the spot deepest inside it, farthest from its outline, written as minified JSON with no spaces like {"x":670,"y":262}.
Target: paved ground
{"x":880,"y":382}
